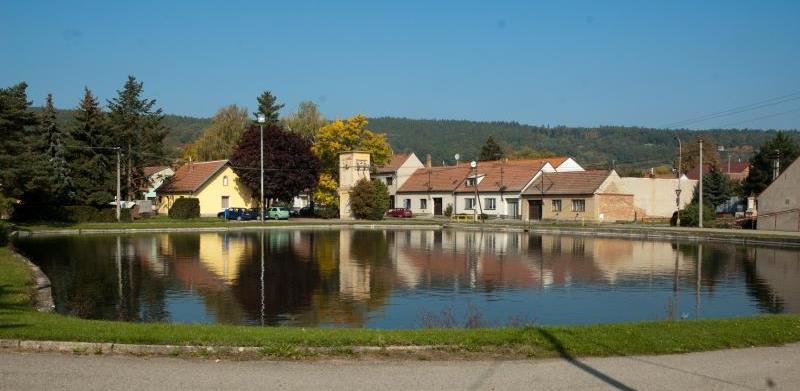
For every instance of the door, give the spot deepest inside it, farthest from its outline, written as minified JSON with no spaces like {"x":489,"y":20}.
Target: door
{"x":391,"y":202}
{"x":535,"y":209}
{"x":437,"y":206}
{"x":513,"y":209}
{"x":225,"y":201}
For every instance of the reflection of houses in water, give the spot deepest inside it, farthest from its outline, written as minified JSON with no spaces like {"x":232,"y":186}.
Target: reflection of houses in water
{"x":354,"y":274}
{"x":776,"y":278}
{"x":222,"y":253}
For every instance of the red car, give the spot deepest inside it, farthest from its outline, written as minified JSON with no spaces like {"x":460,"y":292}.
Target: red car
{"x":399,"y":212}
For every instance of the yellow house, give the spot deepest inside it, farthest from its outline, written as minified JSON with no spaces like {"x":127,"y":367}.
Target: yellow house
{"x":213,"y":183}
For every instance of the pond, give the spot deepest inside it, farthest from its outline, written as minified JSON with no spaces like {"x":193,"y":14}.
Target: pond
{"x":409,"y":278}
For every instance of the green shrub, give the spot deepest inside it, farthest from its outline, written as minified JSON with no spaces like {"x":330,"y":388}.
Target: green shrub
{"x":448,"y":211}
{"x":185,"y":208}
{"x":381,"y":204}
{"x":690,"y":215}
{"x":90,"y":214}
{"x":362,"y":199}
{"x":328,"y":212}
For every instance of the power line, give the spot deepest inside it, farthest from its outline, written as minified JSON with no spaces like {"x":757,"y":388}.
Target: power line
{"x":736,"y":110}
{"x":762,"y":117}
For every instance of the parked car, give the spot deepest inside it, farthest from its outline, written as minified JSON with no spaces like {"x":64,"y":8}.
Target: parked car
{"x":294,"y":212}
{"x":308,"y":211}
{"x":278,"y":213}
{"x":399,"y":212}
{"x":240,"y":214}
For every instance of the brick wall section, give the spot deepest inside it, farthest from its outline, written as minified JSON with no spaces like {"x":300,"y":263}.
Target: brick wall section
{"x":615,"y":207}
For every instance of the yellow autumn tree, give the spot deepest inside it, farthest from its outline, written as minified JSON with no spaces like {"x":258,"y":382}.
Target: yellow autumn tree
{"x":344,"y":135}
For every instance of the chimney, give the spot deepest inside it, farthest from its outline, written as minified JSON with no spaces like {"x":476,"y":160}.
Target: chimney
{"x":191,"y":168}
{"x":428,"y":162}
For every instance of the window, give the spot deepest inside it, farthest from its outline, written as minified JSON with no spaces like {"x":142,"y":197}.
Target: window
{"x":423,"y":203}
{"x":225,"y":181}
{"x":470,"y":182}
{"x":578,"y":205}
{"x":389,"y":180}
{"x":491,"y":204}
{"x":556,"y":205}
{"x":469,"y":203}
{"x":407,"y":203}
{"x":225,"y":202}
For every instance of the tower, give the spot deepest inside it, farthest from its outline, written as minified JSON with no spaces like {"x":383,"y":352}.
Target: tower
{"x":353,"y":166}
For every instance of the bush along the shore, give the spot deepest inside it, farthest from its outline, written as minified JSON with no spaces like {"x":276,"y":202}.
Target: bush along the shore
{"x":185,"y":208}
{"x":369,"y":199}
{"x":690,"y":216}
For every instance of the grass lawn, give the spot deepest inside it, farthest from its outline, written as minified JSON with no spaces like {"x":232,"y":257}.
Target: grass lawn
{"x":19,"y":321}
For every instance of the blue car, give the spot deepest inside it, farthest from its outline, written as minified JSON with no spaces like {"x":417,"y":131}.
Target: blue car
{"x":240,"y":214}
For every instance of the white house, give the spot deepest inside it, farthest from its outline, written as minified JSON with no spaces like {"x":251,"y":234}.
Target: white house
{"x":155,"y":176}
{"x":395,"y":173}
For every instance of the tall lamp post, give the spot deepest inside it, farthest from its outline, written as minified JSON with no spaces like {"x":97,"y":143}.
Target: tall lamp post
{"x":261,"y":120}
{"x":700,"y":204}
{"x":678,"y":190}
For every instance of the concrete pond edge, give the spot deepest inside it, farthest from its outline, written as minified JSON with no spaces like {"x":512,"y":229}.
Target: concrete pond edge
{"x":42,"y":290}
{"x":98,"y":348}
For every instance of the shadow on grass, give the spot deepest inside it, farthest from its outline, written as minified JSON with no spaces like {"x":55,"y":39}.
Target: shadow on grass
{"x":6,"y":304}
{"x":562,"y":351}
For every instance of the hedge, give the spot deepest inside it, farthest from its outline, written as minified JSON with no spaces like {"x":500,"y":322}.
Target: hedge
{"x":185,"y":208}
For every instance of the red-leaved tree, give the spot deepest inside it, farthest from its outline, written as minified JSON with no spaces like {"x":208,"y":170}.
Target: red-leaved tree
{"x":289,"y":165}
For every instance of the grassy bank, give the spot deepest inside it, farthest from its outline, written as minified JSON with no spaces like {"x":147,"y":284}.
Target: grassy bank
{"x":19,"y":321}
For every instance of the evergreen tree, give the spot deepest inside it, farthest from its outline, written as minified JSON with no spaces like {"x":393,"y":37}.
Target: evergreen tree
{"x":52,"y":140}
{"x":15,"y":152}
{"x":781,"y":148}
{"x":269,"y":106}
{"x":491,"y":150}
{"x":716,"y":187}
{"x":92,"y":158}
{"x":137,"y":129}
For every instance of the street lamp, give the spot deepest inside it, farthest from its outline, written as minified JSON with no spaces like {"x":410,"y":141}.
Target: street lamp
{"x":261,"y":120}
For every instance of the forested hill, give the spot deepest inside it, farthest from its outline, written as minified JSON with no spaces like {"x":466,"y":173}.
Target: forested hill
{"x":632,"y":147}
{"x":626,"y":146}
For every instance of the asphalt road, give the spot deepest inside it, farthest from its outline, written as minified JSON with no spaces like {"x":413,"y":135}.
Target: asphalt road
{"x":756,"y":368}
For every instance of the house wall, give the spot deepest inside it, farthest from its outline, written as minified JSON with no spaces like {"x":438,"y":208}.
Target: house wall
{"x":447,"y":198}
{"x":615,"y":207}
{"x":569,"y":165}
{"x":656,"y":197}
{"x":779,"y":204}
{"x":404,"y":171}
{"x":501,"y":203}
{"x":353,"y":166}
{"x":210,"y":194}
{"x":566,"y":213}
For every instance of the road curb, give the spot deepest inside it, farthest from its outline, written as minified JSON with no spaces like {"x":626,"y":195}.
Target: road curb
{"x":174,"y":350}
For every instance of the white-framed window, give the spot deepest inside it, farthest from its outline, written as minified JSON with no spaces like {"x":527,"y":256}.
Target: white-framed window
{"x":491,"y":204}
{"x":578,"y":205}
{"x":423,"y":203}
{"x":556,"y":205}
{"x":407,"y":203}
{"x":469,"y":203}
{"x":225,"y":180}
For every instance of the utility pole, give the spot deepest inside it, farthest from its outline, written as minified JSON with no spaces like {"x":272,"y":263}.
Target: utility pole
{"x":261,"y":119}
{"x":700,"y":203}
{"x":679,"y":190}
{"x":119,"y":191}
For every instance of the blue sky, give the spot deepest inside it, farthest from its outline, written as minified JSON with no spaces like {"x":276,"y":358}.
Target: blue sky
{"x":573,"y":63}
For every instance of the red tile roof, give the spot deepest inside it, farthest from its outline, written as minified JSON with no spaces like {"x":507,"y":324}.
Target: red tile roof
{"x":510,"y":175}
{"x":394,"y":163}
{"x":148,"y":171}
{"x":435,"y":179}
{"x":191,"y":176}
{"x":740,"y":168}
{"x":574,"y":182}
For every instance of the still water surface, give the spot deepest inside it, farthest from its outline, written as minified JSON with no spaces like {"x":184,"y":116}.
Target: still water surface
{"x":409,"y":278}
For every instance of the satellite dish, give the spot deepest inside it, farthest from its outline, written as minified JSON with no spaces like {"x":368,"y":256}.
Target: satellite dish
{"x":457,"y":156}
{"x":473,"y":164}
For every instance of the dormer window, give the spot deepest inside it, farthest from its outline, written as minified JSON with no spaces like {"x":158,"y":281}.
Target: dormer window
{"x":471,"y":182}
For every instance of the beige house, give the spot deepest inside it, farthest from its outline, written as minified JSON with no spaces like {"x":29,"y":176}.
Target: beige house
{"x":656,"y":197}
{"x":214,"y":183}
{"x":592,"y":196}
{"x":779,"y":204}
{"x":353,"y":166}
